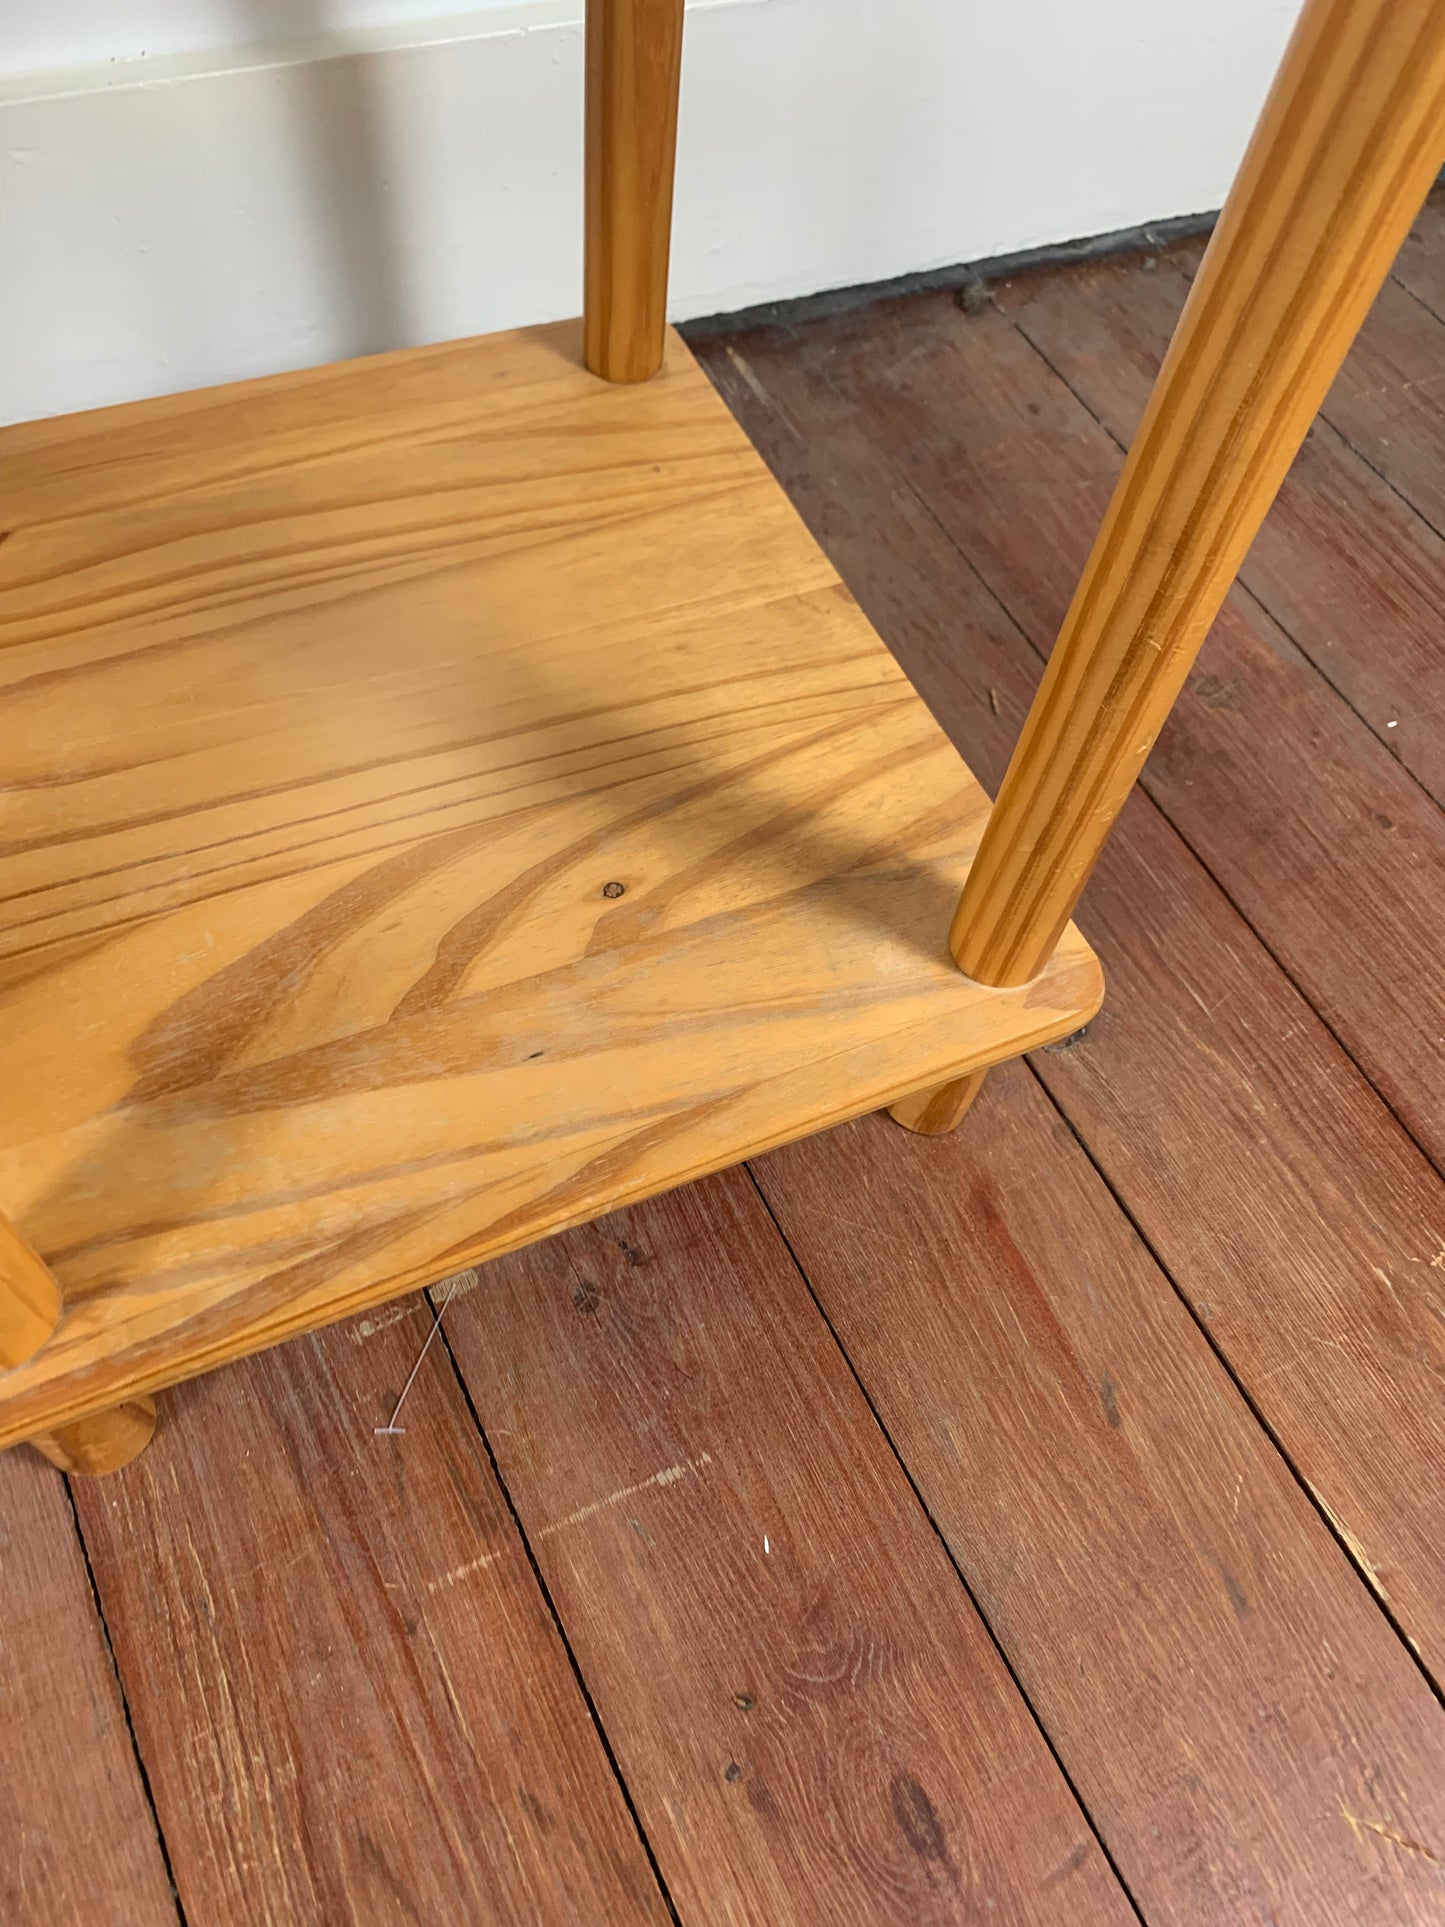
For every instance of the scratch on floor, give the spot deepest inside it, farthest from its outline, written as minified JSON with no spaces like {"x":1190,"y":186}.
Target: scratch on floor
{"x":1195,"y":995}
{"x":479,"y":1564}
{"x":1357,"y":1820}
{"x":410,"y":1307}
{"x":369,"y":1327}
{"x":748,"y":376}
{"x":668,"y":1476}
{"x":1386,"y":1280}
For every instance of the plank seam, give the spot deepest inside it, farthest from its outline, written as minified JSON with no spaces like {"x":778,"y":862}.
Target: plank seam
{"x":957,"y":1570}
{"x":135,"y":1747}
{"x":1315,"y":1502}
{"x":1360,"y":454}
{"x":556,"y":1618}
{"x":1024,"y":633}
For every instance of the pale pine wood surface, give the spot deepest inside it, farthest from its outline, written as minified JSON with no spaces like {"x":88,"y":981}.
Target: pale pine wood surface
{"x":333,"y":705}
{"x":941,"y":1109}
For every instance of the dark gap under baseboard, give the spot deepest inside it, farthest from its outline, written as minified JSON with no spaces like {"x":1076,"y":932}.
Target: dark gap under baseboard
{"x":813,"y":307}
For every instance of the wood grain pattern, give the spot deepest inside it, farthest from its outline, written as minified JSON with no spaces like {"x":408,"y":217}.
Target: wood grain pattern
{"x":1353,"y":575}
{"x":634,"y":66}
{"x":103,"y":1442}
{"x":1247,"y":1733}
{"x":78,"y":1841}
{"x":352,"y":1702}
{"x":29,"y":1298}
{"x":370,"y":688}
{"x":1349,"y":141}
{"x":1286,"y":1202}
{"x":809,"y":1715}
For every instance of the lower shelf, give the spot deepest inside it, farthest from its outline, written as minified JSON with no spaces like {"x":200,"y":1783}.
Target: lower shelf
{"x":447,"y":797}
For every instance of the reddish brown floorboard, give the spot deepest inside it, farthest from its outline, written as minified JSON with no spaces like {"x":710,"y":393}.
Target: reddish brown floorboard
{"x":349,"y":1694}
{"x":1421,"y":264}
{"x":1388,"y":403}
{"x":78,"y":1842}
{"x":810,"y":1717}
{"x":1172,"y":1605}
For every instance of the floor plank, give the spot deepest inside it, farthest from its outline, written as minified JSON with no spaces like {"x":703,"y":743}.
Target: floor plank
{"x":1352,"y":574}
{"x":1387,"y":400}
{"x":1250,"y":1738}
{"x":78,"y":1841}
{"x":350,"y":1696}
{"x":1421,"y":263}
{"x":809,"y":1715}
{"x":1283,"y":1197}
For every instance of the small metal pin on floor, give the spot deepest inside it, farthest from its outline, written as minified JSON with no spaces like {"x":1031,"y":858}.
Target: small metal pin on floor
{"x":391,"y":1429}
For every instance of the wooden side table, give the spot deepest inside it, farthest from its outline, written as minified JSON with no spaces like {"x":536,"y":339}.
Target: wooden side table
{"x":448,"y":795}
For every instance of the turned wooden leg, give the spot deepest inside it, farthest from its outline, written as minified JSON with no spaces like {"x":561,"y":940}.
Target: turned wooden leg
{"x":103,"y":1442}
{"x":634,"y":61}
{"x":935,"y":1111}
{"x":1350,"y":139}
{"x":29,"y":1299}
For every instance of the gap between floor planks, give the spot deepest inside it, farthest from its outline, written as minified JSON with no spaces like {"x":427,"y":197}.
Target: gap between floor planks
{"x":78,"y":1837}
{"x":350,"y":1696}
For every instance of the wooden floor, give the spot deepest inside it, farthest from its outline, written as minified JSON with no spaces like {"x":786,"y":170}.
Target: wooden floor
{"x":1042,"y":1524}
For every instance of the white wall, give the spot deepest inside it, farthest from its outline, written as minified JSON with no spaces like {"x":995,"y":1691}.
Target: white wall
{"x":37,"y":36}
{"x":236,"y":202}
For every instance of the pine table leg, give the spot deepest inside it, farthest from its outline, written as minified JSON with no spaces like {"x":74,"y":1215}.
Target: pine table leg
{"x":1348,"y":144}
{"x":1350,"y":139}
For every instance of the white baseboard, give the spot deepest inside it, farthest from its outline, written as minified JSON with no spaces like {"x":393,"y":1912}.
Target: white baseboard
{"x":174,"y":222}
